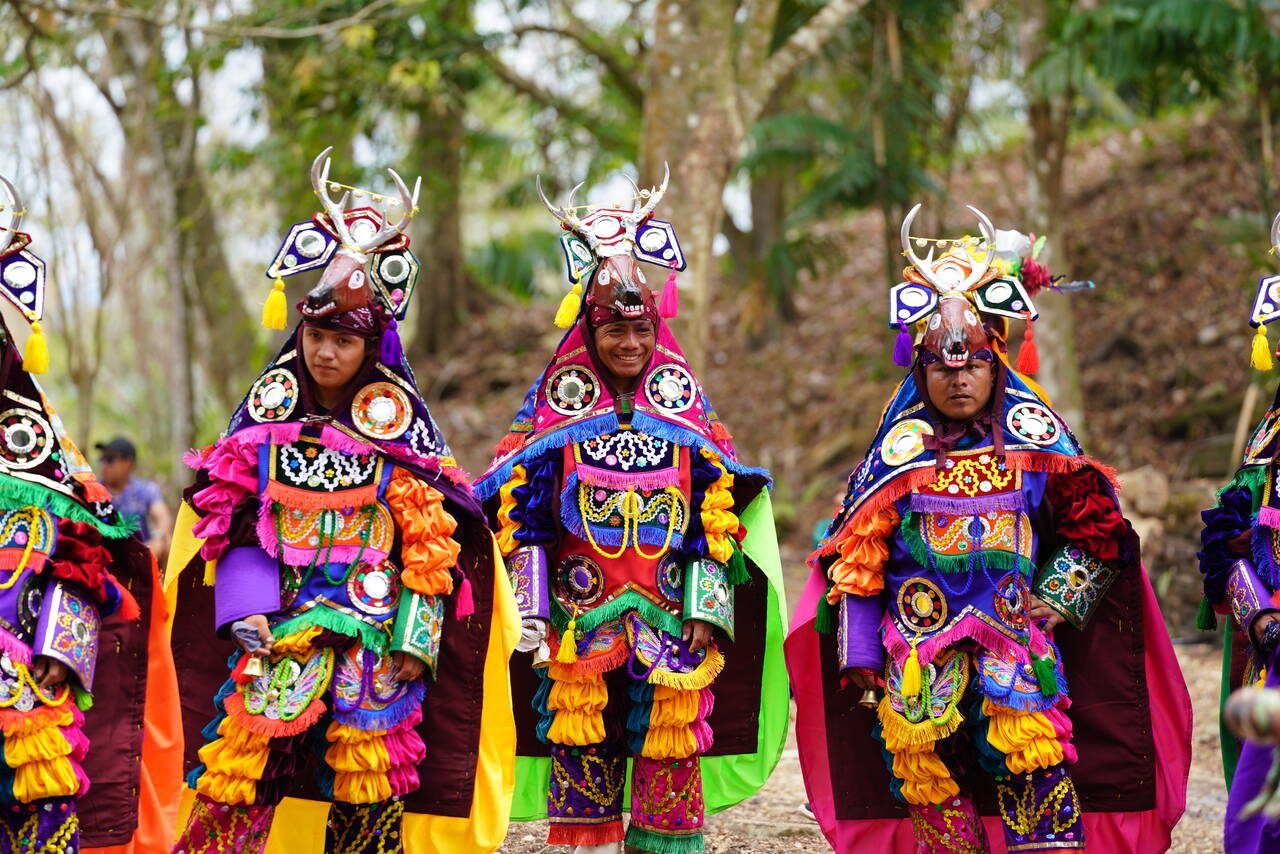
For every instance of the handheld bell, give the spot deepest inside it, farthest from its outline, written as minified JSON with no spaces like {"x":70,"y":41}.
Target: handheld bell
{"x":868,"y":701}
{"x":256,"y":666}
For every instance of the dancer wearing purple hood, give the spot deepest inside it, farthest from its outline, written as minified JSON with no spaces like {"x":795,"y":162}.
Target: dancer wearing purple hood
{"x":978,"y":569}
{"x":348,"y":562}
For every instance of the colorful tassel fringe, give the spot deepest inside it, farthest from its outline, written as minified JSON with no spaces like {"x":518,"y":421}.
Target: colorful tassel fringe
{"x":912,"y":677}
{"x":567,"y":313}
{"x":1260,"y":359}
{"x":275,"y":311}
{"x":903,"y":348}
{"x":1028,"y":356}
{"x":669,"y":307}
{"x":35,"y":359}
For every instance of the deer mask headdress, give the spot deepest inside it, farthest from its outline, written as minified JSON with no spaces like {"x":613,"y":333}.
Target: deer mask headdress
{"x":603,"y":247}
{"x":364,"y":252}
{"x":22,"y":277}
{"x":949,"y":295}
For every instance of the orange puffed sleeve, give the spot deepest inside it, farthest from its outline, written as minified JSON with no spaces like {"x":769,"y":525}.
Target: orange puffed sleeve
{"x":860,"y":568}
{"x":428,"y":550}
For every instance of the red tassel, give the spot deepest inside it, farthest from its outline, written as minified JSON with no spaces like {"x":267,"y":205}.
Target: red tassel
{"x":1028,"y":356}
{"x":465,"y":604}
{"x":670,"y":305}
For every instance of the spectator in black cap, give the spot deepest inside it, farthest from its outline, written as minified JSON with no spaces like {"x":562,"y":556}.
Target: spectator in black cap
{"x":133,"y":496}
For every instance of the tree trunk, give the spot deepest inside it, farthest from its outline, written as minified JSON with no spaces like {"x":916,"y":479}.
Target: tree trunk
{"x":691,"y":122}
{"x":441,"y":296}
{"x":1048,"y":118}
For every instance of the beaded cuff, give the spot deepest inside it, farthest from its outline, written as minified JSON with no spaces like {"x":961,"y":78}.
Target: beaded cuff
{"x":708,"y":595}
{"x":1073,"y":583}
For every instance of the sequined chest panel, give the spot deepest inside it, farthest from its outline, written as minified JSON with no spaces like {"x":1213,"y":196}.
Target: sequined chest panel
{"x":625,"y":507}
{"x":627,"y":490}
{"x":964,"y":551}
{"x":27,"y":538}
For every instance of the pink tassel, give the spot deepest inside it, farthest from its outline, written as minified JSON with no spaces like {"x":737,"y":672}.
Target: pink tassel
{"x":903,"y":347}
{"x":465,"y":605}
{"x":670,"y":305}
{"x":392,"y":352}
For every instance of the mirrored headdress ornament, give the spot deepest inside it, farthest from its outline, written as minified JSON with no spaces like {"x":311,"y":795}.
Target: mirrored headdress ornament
{"x":22,"y":277}
{"x":603,"y":245}
{"x":364,"y":251}
{"x":975,"y":280}
{"x":1266,"y":308}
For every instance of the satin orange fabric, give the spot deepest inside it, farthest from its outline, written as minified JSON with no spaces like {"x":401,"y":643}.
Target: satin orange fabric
{"x":426,"y":529}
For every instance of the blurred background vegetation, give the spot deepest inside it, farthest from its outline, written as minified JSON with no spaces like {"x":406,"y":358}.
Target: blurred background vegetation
{"x":163,"y":147}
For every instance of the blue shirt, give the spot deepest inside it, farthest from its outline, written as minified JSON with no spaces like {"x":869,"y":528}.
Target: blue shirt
{"x":134,"y":502}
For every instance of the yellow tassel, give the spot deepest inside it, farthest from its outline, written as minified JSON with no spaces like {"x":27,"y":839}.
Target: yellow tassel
{"x":210,"y":572}
{"x":568,"y":651}
{"x":911,"y":677}
{"x":568,"y":311}
{"x":1261,"y":349}
{"x":275,"y":311}
{"x":35,"y":359}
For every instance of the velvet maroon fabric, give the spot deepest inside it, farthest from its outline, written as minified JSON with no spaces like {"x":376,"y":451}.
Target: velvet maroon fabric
{"x":81,"y":557}
{"x":1086,"y":513}
{"x":109,"y":812}
{"x":451,"y":711}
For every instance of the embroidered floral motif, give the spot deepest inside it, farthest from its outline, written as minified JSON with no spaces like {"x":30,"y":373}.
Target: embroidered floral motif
{"x":627,"y":450}
{"x":608,"y":507}
{"x":996,"y":530}
{"x":310,"y":466}
{"x":1243,"y":598}
{"x":941,"y":689}
{"x":289,"y":686}
{"x":1073,"y":583}
{"x":971,"y":477}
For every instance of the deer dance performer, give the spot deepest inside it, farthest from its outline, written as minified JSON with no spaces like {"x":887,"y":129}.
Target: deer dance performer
{"x":643,"y":559}
{"x":67,"y":565}
{"x":352,"y":567}
{"x":1241,"y":573}
{"x":979,"y":565}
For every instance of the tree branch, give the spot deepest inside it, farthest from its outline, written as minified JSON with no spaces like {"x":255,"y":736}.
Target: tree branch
{"x":800,"y":46}
{"x":594,"y":46}
{"x":228,"y":30}
{"x":567,"y":109}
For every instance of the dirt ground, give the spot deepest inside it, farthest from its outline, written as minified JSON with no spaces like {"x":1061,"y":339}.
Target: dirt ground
{"x":771,"y":821}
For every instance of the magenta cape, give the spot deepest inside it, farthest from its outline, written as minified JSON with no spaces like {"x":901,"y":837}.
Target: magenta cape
{"x":1131,"y":714}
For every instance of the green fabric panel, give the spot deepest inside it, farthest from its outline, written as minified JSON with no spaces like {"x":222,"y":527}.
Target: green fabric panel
{"x":1230,"y":746}
{"x":726,"y":780}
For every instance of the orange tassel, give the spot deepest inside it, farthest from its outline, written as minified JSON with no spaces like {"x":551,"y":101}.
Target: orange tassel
{"x":1028,"y":356}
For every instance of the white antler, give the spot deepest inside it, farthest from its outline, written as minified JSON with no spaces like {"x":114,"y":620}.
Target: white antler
{"x":567,"y":215}
{"x":655,"y":195}
{"x":988,"y":244}
{"x":925,"y":266}
{"x":1275,"y":230}
{"x":337,"y":211}
{"x":11,"y":214}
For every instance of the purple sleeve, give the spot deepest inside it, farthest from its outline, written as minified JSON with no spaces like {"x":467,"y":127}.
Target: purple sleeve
{"x":858,"y":632}
{"x":247,"y":582}
{"x":68,"y":630}
{"x":1246,"y":594}
{"x":527,"y":567}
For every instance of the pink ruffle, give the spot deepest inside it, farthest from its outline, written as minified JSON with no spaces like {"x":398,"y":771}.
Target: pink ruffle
{"x":233,"y":468}
{"x":406,"y":751}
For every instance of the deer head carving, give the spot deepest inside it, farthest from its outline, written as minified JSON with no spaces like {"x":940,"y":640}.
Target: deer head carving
{"x":344,"y":285}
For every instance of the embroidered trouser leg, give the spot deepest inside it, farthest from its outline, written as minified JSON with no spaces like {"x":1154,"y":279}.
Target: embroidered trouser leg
{"x":666,"y":805}
{"x":46,"y":826}
{"x":1040,"y":811}
{"x":365,"y":828}
{"x":216,"y":828}
{"x":952,"y":827}
{"x":584,"y":799}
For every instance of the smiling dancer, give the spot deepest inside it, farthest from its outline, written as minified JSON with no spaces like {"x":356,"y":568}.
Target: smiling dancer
{"x":643,"y":559}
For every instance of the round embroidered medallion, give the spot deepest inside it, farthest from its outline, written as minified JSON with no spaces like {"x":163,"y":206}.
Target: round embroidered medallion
{"x":670,"y":577}
{"x":922,"y":605}
{"x":382,"y":411}
{"x":572,"y":389}
{"x":374,"y":589}
{"x":904,"y":441}
{"x":273,"y":396}
{"x":579,"y":580}
{"x":1033,"y":423}
{"x":1010,"y":601}
{"x":26,"y":439}
{"x":30,"y":598}
{"x":671,"y":387}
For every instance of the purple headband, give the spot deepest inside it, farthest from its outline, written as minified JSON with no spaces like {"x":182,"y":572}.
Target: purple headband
{"x":365,"y":321}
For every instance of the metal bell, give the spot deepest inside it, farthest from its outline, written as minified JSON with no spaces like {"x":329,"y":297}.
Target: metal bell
{"x":256,"y":666}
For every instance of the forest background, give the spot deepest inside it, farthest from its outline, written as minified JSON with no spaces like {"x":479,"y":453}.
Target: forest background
{"x":162,"y":150}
